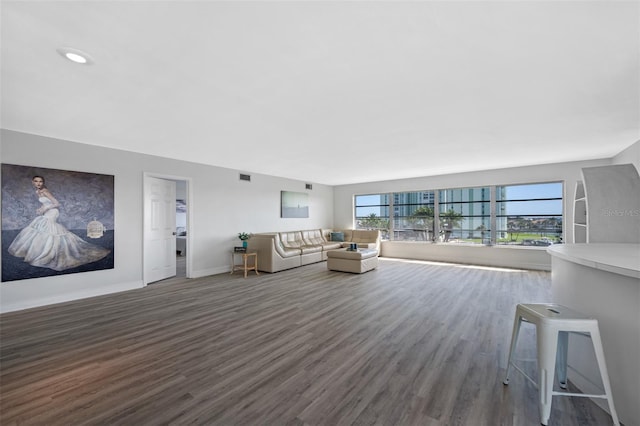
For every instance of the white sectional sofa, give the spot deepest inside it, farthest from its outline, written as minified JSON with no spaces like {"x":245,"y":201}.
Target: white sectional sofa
{"x":285,"y":250}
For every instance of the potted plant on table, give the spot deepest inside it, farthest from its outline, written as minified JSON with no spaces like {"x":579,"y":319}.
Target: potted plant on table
{"x":244,"y":237}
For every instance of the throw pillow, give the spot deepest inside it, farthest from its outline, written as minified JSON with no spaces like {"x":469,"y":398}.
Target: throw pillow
{"x":337,"y":236}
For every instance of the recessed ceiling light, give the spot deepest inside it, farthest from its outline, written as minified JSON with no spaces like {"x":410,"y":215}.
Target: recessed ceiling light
{"x":76,"y":58}
{"x":75,"y":55}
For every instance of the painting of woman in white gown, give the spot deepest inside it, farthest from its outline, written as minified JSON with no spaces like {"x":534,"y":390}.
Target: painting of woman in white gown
{"x":44,"y":246}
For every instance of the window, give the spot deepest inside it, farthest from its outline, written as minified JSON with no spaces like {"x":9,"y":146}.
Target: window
{"x":465,"y":215}
{"x":526,"y":214}
{"x":413,"y":216}
{"x":529,"y":214}
{"x":372,"y":212}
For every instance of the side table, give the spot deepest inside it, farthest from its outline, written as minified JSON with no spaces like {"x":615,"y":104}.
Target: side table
{"x":244,"y":266}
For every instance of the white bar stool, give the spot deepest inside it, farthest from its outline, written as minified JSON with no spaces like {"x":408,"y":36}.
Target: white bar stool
{"x":553,"y":324}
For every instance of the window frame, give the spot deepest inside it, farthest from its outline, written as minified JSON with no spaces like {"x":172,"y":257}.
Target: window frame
{"x":560,"y":198}
{"x":485,"y":234}
{"x":425,"y":233}
{"x":359,"y":219}
{"x":392,"y":233}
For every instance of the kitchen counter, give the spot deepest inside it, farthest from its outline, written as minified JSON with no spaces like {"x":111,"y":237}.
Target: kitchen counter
{"x":602,"y":280}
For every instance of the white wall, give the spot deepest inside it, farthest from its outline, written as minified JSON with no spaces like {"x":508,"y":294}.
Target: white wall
{"x":222,"y":206}
{"x":629,"y":155}
{"x":569,"y":173}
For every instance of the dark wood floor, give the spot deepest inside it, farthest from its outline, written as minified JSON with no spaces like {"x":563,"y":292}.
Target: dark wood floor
{"x":410,"y":343}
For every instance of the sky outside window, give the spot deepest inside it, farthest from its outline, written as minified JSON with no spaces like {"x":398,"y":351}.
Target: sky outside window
{"x":528,"y":192}
{"x":368,"y":204}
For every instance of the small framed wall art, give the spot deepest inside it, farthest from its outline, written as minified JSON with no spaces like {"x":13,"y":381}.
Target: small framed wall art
{"x":294,"y":204}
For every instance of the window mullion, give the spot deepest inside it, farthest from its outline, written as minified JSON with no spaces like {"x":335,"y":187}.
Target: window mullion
{"x":492,"y":220}
{"x":436,"y":215}
{"x":392,"y":219}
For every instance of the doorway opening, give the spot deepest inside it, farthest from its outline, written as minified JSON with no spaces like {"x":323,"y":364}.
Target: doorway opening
{"x":182,"y":236}
{"x":167,"y":248}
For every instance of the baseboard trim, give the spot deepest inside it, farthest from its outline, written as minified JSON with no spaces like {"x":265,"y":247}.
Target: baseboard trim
{"x":68,"y":297}
{"x":211,"y":271}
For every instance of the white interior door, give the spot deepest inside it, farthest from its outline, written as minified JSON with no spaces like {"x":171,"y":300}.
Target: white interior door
{"x":159,"y":229}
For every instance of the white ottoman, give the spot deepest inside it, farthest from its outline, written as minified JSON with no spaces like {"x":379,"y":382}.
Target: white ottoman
{"x":357,"y":262}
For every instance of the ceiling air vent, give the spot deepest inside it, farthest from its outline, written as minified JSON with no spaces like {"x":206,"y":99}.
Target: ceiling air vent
{"x":308,"y":186}
{"x":245,"y":177}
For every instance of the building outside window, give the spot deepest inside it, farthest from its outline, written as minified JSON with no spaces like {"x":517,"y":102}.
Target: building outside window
{"x":413,"y":216}
{"x":465,"y":215}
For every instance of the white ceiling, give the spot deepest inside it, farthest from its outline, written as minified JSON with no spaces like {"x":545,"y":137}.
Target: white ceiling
{"x":330,"y":92}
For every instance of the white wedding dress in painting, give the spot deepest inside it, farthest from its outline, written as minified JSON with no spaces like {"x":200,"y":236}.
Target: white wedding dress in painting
{"x":47,"y":244}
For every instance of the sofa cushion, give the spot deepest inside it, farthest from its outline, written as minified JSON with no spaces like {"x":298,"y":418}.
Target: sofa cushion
{"x":313,"y":237}
{"x":326,"y":234}
{"x":310,"y":249}
{"x":337,"y":236}
{"x":364,"y":235}
{"x":291,"y":239}
{"x":285,"y":251}
{"x":331,"y":245}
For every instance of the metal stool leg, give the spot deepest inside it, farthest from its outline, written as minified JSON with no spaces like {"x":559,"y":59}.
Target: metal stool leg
{"x":547,"y":344}
{"x":561,"y":361}
{"x":514,"y":340}
{"x":604,"y":374}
